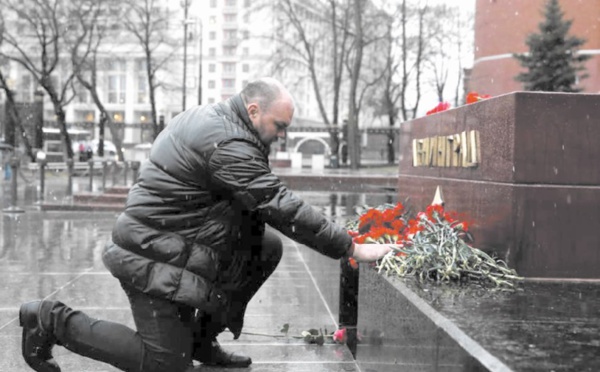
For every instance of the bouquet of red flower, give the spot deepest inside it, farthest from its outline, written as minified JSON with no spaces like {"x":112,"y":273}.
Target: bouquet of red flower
{"x":432,"y":246}
{"x":473,"y":97}
{"x":442,"y":106}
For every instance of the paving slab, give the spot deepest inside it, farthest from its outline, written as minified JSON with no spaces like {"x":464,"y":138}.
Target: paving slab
{"x":57,"y":255}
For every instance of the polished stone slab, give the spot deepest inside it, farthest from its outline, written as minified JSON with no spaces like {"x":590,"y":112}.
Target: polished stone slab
{"x":543,"y":326}
{"x":532,"y":197}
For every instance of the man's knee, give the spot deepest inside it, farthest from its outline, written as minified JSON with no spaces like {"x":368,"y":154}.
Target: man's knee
{"x":272,"y":247}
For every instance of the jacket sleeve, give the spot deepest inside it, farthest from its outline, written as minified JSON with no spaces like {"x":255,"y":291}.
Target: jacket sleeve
{"x":239,"y":167}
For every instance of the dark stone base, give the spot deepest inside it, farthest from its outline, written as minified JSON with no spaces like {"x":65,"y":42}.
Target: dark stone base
{"x":544,"y":326}
{"x":540,"y":230}
{"x":535,"y":183}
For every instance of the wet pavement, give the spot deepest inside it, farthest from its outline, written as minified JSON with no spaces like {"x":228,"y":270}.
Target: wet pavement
{"x":548,"y":326}
{"x":49,"y":255}
{"x":57,"y":255}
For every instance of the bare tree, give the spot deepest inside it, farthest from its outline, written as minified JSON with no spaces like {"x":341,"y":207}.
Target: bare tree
{"x":35,"y":41}
{"x":14,"y":113}
{"x":319,"y":32}
{"x":356,"y":64}
{"x":464,"y":27}
{"x":11,"y":104}
{"x":85,"y":47}
{"x":148,"y":21}
{"x":368,"y":34}
{"x":322,"y":36}
{"x":391,"y":89}
{"x":412,"y":54}
{"x":446,"y":28}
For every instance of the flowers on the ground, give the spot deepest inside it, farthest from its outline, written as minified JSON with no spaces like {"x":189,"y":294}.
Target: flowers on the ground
{"x":340,"y":336}
{"x":431,"y":246}
{"x":442,"y":106}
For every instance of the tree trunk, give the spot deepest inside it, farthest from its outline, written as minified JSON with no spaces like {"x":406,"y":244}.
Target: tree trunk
{"x":353,"y":132}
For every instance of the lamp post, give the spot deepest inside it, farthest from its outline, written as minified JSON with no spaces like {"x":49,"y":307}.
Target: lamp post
{"x":185,"y":4}
{"x":200,"y":38}
{"x":41,"y":160}
{"x":12,"y":208}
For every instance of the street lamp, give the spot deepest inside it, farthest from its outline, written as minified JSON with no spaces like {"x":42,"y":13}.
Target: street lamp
{"x":185,"y":4}
{"x":41,"y":160}
{"x":200,"y":61}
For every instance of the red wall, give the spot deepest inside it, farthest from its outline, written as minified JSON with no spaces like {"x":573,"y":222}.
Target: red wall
{"x":501,"y":27}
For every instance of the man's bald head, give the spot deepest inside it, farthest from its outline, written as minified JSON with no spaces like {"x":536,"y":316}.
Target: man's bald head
{"x":265,"y":91}
{"x":270,"y":108}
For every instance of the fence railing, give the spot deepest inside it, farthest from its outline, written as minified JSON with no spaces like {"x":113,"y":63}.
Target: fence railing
{"x":123,"y":173}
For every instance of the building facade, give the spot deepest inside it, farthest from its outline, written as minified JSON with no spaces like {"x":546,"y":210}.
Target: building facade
{"x":214,"y":48}
{"x":501,"y":28}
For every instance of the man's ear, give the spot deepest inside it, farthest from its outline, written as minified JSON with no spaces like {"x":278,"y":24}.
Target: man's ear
{"x":252,"y":110}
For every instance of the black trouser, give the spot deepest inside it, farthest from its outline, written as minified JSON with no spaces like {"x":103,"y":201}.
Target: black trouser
{"x":250,"y":268}
{"x":165,"y":338}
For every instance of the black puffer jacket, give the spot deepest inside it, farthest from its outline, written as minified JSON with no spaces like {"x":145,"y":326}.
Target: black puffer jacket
{"x":207,"y":180}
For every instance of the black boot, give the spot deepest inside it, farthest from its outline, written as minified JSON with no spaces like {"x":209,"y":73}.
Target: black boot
{"x":211,"y":353}
{"x":38,"y":339}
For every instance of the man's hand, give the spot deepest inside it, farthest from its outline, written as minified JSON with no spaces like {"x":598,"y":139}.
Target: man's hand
{"x":369,"y":252}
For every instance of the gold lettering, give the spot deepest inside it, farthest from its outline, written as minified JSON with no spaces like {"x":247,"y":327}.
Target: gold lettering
{"x":455,"y":150}
{"x":425,"y":153}
{"x":441,"y":156}
{"x":433,"y":151}
{"x":415,"y":152}
{"x":464,"y":149}
{"x":456,"y":158}
{"x":448,"y":151}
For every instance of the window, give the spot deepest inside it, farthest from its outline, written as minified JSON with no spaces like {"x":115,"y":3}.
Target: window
{"x":245,"y":51}
{"x":142,"y":93}
{"x":83,"y":95}
{"x":143,"y":116}
{"x":142,"y":81}
{"x":230,"y":2}
{"x":246,"y":18}
{"x":25,"y":92}
{"x":117,"y":116}
{"x":230,"y":17}
{"x":244,"y":83}
{"x":229,"y":34}
{"x":212,"y":67}
{"x":245,"y":67}
{"x":84,"y":115}
{"x":229,"y":51}
{"x":115,"y":65}
{"x":117,"y":82}
{"x":212,"y":20}
{"x":212,"y":52}
{"x":213,"y":3}
{"x":228,"y":83}
{"x":247,"y":3}
{"x":246,"y":35}
{"x":212,"y":35}
{"x":116,"y":89}
{"x":229,"y":67}
{"x":211,"y":100}
{"x":211,"y":84}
